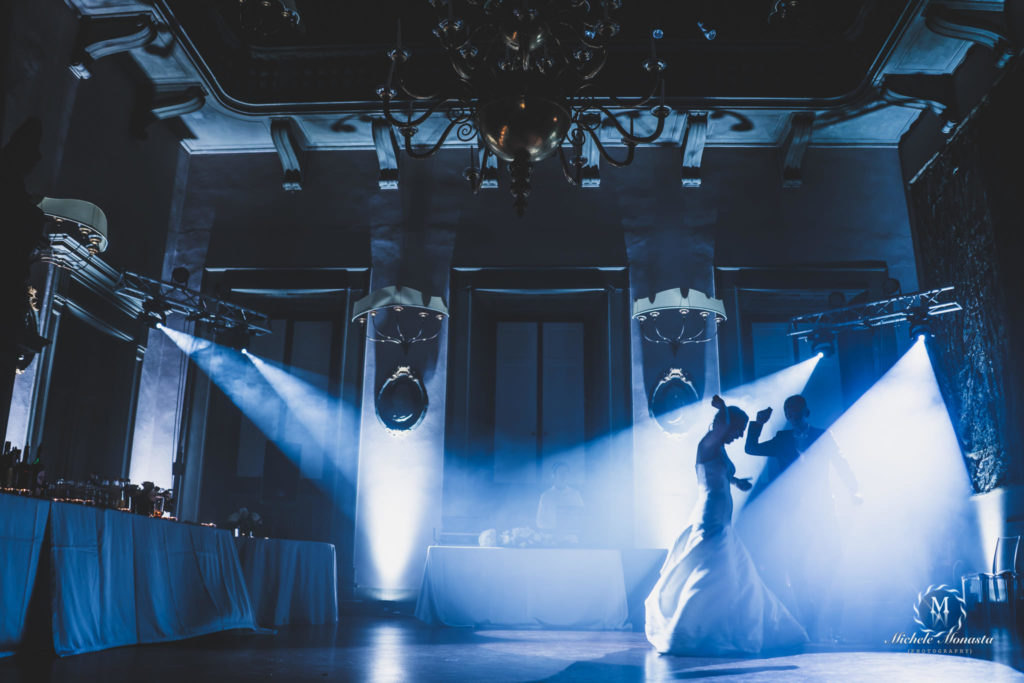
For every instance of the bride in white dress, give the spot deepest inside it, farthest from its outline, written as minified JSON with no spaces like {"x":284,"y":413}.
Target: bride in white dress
{"x":709,"y":598}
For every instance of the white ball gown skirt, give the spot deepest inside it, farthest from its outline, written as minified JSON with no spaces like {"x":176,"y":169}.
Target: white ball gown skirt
{"x":709,"y":599}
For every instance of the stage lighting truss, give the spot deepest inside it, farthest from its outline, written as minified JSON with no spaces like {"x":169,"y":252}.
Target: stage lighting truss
{"x":674,"y":318}
{"x":400,"y":315}
{"x":159,"y":298}
{"x":917,"y":309}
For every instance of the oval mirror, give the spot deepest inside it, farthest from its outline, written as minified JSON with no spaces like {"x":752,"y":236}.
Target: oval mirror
{"x":402,"y":401}
{"x":674,"y":391}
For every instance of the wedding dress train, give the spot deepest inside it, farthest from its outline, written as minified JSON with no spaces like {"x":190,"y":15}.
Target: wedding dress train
{"x":709,"y":598}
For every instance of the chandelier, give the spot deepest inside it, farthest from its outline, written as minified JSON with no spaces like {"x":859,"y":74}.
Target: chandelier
{"x":400,"y":315}
{"x":524,"y":85}
{"x":676,"y":318}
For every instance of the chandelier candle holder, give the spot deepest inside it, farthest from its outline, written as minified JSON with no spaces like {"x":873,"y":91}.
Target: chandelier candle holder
{"x":524,"y":85}
{"x":400,"y":315}
{"x":676,"y":317}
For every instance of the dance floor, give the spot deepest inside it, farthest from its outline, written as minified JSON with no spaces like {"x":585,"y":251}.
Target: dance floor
{"x":392,"y":649}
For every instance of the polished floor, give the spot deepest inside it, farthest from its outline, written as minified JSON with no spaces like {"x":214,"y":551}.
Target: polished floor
{"x":394,"y":648}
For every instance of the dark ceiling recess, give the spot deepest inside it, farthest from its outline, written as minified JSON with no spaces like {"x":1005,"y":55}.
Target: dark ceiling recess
{"x":333,"y":53}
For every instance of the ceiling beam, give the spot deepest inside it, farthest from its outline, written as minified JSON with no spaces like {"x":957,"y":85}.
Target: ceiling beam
{"x":800,"y":129}
{"x":694,"y":139}
{"x":978,"y":27}
{"x":129,"y":32}
{"x":387,"y":154}
{"x":287,"y":152}
{"x":165,"y":105}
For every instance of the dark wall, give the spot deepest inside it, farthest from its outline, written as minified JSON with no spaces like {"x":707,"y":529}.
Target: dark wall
{"x":90,"y":150}
{"x":89,"y":404}
{"x":851,"y":207}
{"x":968,"y":210}
{"x":130,"y":178}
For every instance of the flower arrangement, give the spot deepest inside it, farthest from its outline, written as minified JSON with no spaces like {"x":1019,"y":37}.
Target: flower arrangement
{"x":244,"y":521}
{"x":525,"y":537}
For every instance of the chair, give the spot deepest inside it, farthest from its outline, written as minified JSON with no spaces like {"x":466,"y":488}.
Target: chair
{"x":996,"y":593}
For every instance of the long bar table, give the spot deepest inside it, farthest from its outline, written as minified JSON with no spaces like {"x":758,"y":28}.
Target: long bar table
{"x":118,"y":578}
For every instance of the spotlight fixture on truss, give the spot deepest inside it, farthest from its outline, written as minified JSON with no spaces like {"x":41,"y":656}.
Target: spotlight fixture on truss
{"x":823,"y":342}
{"x":674,"y":318}
{"x":400,"y":315}
{"x":920,"y":324}
{"x":160,"y":298}
{"x":919,"y":309}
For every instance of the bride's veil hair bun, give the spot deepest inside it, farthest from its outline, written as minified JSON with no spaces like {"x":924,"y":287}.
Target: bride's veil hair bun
{"x":736,"y":415}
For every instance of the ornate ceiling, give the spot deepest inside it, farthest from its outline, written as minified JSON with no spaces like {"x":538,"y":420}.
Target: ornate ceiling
{"x":228,"y":83}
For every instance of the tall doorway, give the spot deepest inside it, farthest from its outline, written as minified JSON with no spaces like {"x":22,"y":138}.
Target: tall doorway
{"x":538,"y":376}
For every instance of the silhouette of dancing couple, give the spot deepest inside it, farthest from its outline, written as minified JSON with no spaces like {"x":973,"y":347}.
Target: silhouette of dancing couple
{"x":710,"y":598}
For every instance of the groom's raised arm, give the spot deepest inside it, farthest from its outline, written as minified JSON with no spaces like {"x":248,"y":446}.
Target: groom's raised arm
{"x":754,"y":445}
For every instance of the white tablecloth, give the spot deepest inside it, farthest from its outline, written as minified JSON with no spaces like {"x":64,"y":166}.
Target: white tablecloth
{"x":114,"y":578}
{"x":290,"y":582}
{"x":523,"y":588}
{"x":22,"y":528}
{"x":122,"y":579}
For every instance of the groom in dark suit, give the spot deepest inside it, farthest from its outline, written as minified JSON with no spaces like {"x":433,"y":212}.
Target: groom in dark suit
{"x":813,"y":539}
{"x":789,"y":444}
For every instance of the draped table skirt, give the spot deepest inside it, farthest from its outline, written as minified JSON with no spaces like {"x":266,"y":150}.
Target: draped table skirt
{"x":523,"y":588}
{"x":116,"y":578}
{"x":290,"y":582}
{"x":22,"y":528}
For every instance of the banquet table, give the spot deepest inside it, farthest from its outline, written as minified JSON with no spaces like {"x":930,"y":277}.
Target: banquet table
{"x":290,"y":582}
{"x":523,"y":588}
{"x":115,"y":578}
{"x":22,"y":528}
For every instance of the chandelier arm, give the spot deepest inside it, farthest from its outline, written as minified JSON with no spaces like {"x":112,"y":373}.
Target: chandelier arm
{"x":381,"y":337}
{"x":591,"y":73}
{"x":700,"y":333}
{"x":476,"y":183}
{"x":680,"y":337}
{"x":566,"y":170}
{"x":432,"y":337}
{"x":661,"y":113}
{"x":431,"y":151}
{"x":630,"y":148}
{"x":410,"y":120}
{"x":383,"y":340}
{"x":630,"y":104}
{"x":416,"y":96}
{"x":663,"y":338}
{"x":418,"y":337}
{"x":647,"y":336}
